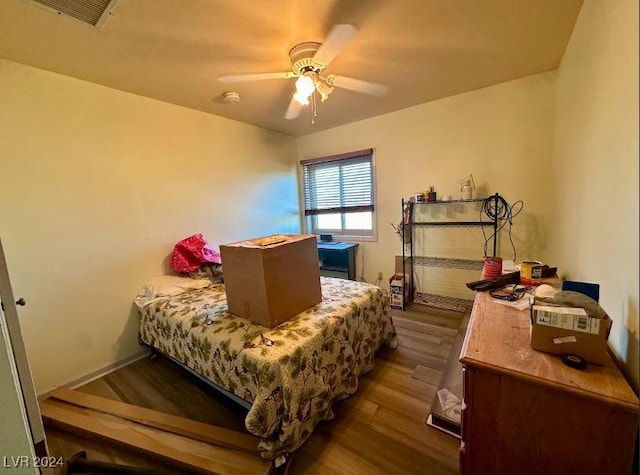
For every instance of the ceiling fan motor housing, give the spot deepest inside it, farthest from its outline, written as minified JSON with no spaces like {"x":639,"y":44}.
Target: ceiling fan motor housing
{"x":301,"y":56}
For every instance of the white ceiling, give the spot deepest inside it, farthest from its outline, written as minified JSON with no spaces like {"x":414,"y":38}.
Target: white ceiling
{"x":174,"y":50}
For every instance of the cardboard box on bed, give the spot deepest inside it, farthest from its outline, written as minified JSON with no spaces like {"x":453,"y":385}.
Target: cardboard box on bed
{"x":271,"y":284}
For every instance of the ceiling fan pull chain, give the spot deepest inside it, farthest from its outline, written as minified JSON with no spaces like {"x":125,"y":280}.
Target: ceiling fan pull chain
{"x":314,"y":112}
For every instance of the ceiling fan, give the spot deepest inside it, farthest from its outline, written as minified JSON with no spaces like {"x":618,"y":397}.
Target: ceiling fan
{"x":308,"y":61}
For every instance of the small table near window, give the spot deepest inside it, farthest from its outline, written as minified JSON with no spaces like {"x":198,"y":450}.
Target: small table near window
{"x":338,"y":259}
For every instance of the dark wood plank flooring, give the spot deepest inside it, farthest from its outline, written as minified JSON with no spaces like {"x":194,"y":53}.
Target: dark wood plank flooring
{"x":380,"y":429}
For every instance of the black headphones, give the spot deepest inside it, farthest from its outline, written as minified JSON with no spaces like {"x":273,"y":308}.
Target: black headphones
{"x":510,"y":293}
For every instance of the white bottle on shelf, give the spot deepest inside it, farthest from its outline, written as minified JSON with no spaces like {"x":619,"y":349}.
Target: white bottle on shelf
{"x":466,"y":190}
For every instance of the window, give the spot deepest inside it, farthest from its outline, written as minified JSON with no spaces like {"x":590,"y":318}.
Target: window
{"x":339,"y":195}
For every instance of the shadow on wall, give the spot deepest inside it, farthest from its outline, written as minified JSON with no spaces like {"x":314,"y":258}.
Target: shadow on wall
{"x":483,"y":191}
{"x":630,"y":345}
{"x":166,"y":268}
{"x":630,"y":351}
{"x":123,"y":344}
{"x":632,"y":355}
{"x":527,"y":238}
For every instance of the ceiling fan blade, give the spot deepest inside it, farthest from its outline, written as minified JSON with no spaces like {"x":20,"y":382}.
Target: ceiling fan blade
{"x":338,"y":39}
{"x":228,"y":78}
{"x":357,"y":85}
{"x":294,"y":109}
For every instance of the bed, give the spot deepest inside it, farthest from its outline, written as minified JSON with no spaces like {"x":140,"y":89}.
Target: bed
{"x":289,"y":375}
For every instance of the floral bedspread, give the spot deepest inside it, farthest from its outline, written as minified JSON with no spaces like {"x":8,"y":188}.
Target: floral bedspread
{"x":290,"y":374}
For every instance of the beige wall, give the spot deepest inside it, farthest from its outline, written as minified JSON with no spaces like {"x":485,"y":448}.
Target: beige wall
{"x":97,"y":186}
{"x":595,"y":165}
{"x":501,"y":134}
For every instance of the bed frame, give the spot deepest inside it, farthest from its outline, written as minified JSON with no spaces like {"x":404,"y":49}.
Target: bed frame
{"x":286,"y":377}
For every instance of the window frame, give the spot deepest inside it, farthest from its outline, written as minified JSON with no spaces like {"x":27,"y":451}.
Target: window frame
{"x":310,"y":221}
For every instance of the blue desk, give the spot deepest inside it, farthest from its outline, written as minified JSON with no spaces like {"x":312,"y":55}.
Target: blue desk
{"x":338,"y":259}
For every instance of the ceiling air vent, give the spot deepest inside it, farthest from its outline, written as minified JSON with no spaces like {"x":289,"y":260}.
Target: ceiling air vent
{"x":93,"y":12}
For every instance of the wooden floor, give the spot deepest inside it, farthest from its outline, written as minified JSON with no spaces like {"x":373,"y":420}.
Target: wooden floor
{"x":380,"y":429}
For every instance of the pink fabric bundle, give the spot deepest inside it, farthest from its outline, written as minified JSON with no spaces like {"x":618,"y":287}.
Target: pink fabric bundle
{"x":190,"y":253}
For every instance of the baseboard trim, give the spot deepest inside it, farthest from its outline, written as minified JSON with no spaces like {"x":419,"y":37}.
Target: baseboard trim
{"x":99,"y":373}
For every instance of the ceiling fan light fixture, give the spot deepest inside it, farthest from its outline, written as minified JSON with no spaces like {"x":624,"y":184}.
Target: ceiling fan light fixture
{"x":304,"y":88}
{"x":323,"y":88}
{"x":302,"y":100}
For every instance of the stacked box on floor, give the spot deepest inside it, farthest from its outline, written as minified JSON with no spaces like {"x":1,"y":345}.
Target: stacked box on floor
{"x":399,"y":290}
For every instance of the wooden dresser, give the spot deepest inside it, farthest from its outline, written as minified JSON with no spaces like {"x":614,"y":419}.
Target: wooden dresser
{"x":525,"y":412}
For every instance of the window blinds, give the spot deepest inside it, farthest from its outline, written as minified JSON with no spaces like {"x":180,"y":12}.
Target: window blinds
{"x":339,"y":184}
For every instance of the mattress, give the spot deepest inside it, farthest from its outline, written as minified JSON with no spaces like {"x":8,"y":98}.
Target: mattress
{"x":291,"y":374}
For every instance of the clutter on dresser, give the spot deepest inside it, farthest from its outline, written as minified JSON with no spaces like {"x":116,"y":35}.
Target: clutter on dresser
{"x":510,"y":293}
{"x":528,"y":412}
{"x":569,"y":322}
{"x":495,"y":283}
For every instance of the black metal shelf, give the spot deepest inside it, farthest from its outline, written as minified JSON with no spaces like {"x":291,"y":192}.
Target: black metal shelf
{"x":448,"y":262}
{"x":436,"y":300}
{"x":443,"y":302}
{"x":441,"y":202}
{"x":453,"y":223}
